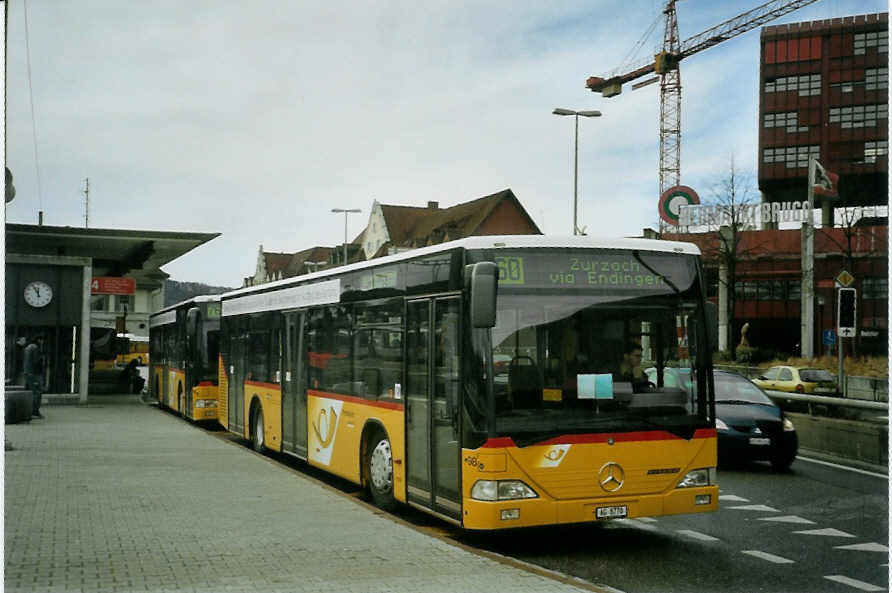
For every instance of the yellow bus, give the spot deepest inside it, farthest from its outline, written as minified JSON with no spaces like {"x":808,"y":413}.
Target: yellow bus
{"x":184,"y":352}
{"x":487,"y":380}
{"x":133,"y":347}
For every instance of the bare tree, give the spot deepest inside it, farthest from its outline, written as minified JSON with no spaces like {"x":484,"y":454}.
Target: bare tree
{"x":852,"y":245}
{"x":734,"y":203}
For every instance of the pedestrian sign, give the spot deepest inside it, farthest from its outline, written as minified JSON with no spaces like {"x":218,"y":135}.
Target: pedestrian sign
{"x":829,"y":337}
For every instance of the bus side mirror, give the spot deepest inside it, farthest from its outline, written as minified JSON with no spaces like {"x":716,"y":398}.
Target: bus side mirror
{"x":483,"y":278}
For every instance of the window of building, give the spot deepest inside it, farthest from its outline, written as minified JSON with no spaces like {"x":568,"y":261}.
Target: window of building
{"x":859,"y":116}
{"x":794,"y":290}
{"x":792,"y":156}
{"x":124,"y":303}
{"x":788,"y":120}
{"x":876,"y":78}
{"x":875,"y":287}
{"x":874,"y":149}
{"x":877,"y":39}
{"x":98,"y":303}
{"x":806,"y":85}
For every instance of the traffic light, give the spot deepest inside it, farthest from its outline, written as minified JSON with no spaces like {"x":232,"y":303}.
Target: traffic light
{"x":846,"y":314}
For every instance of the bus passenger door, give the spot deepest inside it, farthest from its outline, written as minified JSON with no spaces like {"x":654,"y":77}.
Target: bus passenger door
{"x":432,"y":400}
{"x":294,"y":392}
{"x":237,"y":362}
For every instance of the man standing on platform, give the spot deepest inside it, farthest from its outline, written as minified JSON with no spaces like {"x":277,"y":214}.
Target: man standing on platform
{"x":34,"y":372}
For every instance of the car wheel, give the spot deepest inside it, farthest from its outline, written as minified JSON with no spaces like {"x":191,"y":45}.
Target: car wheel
{"x":782,"y":462}
{"x":379,"y":465}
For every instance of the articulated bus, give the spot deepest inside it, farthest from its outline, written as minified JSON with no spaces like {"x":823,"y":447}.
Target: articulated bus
{"x":487,"y":380}
{"x":184,"y":344}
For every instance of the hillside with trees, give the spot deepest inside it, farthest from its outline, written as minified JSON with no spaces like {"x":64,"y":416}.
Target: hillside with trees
{"x":176,"y":292}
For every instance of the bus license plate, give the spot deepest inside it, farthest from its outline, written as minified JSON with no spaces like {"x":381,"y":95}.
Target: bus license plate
{"x":612,"y":512}
{"x":760,"y":441}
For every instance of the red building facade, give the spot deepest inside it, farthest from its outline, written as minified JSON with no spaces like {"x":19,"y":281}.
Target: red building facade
{"x":824,"y":93}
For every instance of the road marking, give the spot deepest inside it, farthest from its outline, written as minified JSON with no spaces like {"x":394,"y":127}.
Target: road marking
{"x":830,"y":532}
{"x":647,"y":519}
{"x":837,"y":466}
{"x":768,"y":557}
{"x":732,"y":498}
{"x":755,"y":507}
{"x":853,"y":583}
{"x":788,"y":519}
{"x":698,"y":535}
{"x":870,"y":547}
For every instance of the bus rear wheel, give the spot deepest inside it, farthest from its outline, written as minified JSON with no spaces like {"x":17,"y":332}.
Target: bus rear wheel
{"x":379,"y":466}
{"x":258,"y":437}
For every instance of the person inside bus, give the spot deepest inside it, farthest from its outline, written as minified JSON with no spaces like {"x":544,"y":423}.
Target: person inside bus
{"x":630,"y":370}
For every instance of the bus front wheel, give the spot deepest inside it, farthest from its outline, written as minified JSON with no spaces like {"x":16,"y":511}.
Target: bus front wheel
{"x":258,"y":437}
{"x":380,"y":471}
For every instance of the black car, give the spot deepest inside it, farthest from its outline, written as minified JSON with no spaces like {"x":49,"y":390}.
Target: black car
{"x":750,"y":426}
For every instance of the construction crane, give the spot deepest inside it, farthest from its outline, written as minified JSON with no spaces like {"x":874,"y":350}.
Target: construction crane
{"x":665,"y":65}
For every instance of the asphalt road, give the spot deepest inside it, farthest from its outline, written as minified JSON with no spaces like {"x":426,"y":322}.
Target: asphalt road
{"x":815,"y":528}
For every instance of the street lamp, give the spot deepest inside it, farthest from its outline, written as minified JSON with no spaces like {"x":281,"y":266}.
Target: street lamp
{"x":346,"y":212}
{"x":576,"y":114}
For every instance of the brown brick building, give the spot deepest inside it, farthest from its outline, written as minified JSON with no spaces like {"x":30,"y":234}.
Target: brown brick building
{"x":824,"y":93}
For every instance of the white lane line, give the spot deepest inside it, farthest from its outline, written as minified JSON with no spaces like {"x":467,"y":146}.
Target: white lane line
{"x":853,"y":583}
{"x":768,"y":557}
{"x":755,"y":507}
{"x":869,"y":547}
{"x":697,"y":535}
{"x":837,"y":466}
{"x":732,"y":498}
{"x":646,"y":519}
{"x":789,"y":519}
{"x":829,"y":532}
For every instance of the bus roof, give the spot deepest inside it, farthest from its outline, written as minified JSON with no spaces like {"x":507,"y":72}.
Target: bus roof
{"x":205,"y":298}
{"x":484,"y":242}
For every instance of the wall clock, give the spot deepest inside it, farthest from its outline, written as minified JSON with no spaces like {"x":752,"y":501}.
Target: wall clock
{"x":38,"y":294}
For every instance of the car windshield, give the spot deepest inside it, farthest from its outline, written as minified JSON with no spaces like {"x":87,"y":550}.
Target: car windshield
{"x":815,"y":375}
{"x":734,"y":388}
{"x":573,"y":360}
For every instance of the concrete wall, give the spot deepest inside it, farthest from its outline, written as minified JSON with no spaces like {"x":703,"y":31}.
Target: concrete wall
{"x":849,"y":439}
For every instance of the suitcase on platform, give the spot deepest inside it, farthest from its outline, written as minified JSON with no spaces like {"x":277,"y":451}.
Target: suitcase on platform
{"x":18,"y":406}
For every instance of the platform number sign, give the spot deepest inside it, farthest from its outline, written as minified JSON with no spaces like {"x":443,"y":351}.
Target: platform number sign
{"x":847,"y":312}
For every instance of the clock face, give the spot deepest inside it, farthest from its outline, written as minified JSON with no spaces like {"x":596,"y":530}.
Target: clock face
{"x":38,"y":294}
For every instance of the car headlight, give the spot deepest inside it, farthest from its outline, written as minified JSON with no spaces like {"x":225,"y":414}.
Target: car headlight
{"x":788,"y":425}
{"x":501,"y":490}
{"x":720,"y":424}
{"x":704,"y":476}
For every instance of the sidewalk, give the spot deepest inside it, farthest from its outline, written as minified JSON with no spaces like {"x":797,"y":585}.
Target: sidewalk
{"x":119,"y":496}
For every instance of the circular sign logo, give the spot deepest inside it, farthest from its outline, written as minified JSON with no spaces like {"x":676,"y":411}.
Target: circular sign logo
{"x":673,"y":199}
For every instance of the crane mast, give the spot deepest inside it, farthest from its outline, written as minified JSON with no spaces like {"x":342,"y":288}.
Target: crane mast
{"x":666,"y":66}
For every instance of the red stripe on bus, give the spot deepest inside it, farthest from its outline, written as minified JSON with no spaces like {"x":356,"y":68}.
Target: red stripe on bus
{"x":262,"y":384}
{"x":622,"y":437}
{"x":205,"y":384}
{"x":356,"y":400}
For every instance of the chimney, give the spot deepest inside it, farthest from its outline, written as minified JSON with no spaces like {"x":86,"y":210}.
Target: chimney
{"x":433,"y":205}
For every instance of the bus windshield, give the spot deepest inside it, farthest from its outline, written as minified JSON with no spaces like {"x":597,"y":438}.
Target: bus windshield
{"x":589,"y":342}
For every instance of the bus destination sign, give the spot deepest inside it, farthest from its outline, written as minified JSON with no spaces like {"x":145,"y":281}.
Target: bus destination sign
{"x":594,"y":270}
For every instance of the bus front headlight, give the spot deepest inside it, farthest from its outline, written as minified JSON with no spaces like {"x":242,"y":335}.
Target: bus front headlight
{"x":501,"y":490}
{"x":705,"y":476}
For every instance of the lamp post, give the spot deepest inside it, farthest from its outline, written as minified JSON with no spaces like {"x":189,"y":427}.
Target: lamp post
{"x":346,"y":212}
{"x":576,"y":114}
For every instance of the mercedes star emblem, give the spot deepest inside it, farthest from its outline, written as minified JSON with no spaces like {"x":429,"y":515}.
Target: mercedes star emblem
{"x":611,"y":477}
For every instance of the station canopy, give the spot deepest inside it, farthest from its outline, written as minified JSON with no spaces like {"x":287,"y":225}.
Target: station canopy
{"x":115,"y":252}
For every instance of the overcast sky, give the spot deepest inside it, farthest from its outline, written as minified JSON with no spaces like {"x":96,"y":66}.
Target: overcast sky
{"x":254,"y":119}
